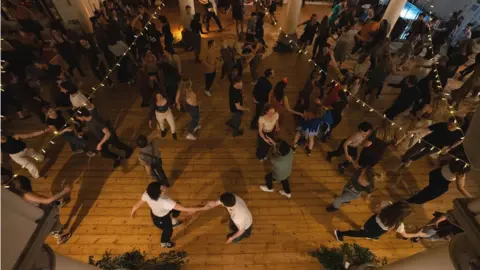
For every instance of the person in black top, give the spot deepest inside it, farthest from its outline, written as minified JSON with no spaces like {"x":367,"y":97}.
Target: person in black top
{"x":166,"y":33}
{"x":236,"y":106}
{"x":440,"y":136}
{"x":409,"y":94}
{"x":212,"y":13}
{"x":18,"y":151}
{"x":323,"y":61}
{"x":197,"y":30}
{"x":260,"y":95}
{"x":309,"y":31}
{"x":323,"y":34}
{"x":237,"y":14}
{"x":375,"y":146}
{"x":96,"y":63}
{"x":104,"y":134}
{"x":154,"y":42}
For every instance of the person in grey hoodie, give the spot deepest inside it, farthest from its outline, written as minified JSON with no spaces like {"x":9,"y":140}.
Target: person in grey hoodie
{"x":281,"y":169}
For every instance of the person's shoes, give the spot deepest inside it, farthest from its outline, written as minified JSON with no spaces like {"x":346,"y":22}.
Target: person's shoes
{"x":238,"y":133}
{"x":167,"y":245}
{"x":341,"y":169}
{"x":338,"y":235}
{"x":177,"y":224}
{"x":90,"y":154}
{"x":64,"y":238}
{"x":164,"y":133}
{"x":329,"y":157}
{"x":330,"y":208}
{"x":415,"y":239}
{"x":190,"y":137}
{"x":174,"y":135}
{"x":197,"y":128}
{"x":77,"y":151}
{"x":208,"y":93}
{"x":308,"y":151}
{"x":128,"y":153}
{"x":117,"y":162}
{"x":266,"y":189}
{"x":288,"y":195}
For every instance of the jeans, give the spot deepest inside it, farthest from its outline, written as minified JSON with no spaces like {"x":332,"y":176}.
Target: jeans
{"x":236,"y":122}
{"x":194,"y":112}
{"x":74,"y":141}
{"x":352,"y":151}
{"x":168,"y":116}
{"x":234,"y":230}
{"x":371,"y":229}
{"x":348,"y":195}
{"x":114,"y":141}
{"x":209,"y":78}
{"x":24,"y":159}
{"x":437,"y":186}
{"x":418,"y":151}
{"x":269,"y":183}
{"x":165,"y":224}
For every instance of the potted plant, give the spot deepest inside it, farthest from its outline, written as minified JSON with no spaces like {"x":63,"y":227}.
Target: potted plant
{"x":347,"y":256}
{"x":136,"y":260}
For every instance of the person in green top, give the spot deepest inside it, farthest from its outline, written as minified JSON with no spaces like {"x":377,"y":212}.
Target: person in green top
{"x":336,"y":11}
{"x":281,"y":169}
{"x":363,"y":180}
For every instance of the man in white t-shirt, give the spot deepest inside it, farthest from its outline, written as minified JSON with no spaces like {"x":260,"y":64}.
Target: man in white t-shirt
{"x":163,"y":210}
{"x":240,"y":217}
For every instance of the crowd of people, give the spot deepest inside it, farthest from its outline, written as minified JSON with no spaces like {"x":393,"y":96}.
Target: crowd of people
{"x":350,"y":31}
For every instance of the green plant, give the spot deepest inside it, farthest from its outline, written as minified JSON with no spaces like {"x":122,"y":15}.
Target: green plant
{"x":136,"y":260}
{"x":335,"y":258}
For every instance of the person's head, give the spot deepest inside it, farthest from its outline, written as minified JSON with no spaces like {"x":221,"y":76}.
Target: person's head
{"x":196,"y":17}
{"x":253,"y":16}
{"x":386,"y":133}
{"x":468,"y":27}
{"x":4,"y":138}
{"x":51,"y":113}
{"x":313,"y":18}
{"x":283,"y":148}
{"x":326,"y":49}
{"x":68,"y":88}
{"x":365,"y":127}
{"x":268,"y":110}
{"x":211,"y":43}
{"x":363,"y":58}
{"x":411,"y":80}
{"x":85,"y":43}
{"x":155,"y":190}
{"x":142,"y":141}
{"x":228,"y":199}
{"x":159,"y":96}
{"x":279,"y":90}
{"x":343,"y":3}
{"x":421,"y":17}
{"x":185,"y":85}
{"x":269,"y":73}
{"x":455,"y":122}
{"x":163,"y":19}
{"x":188,"y":9}
{"x":18,"y":184}
{"x":458,"y":167}
{"x":237,"y":82}
{"x":393,"y":215}
{"x":224,"y":43}
{"x":83,"y":114}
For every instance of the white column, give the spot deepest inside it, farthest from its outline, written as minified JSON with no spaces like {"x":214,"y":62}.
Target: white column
{"x":183,"y":4}
{"x":392,"y":13}
{"x":293,"y":13}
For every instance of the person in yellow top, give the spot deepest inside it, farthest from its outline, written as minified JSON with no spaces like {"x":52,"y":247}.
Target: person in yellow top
{"x":365,"y":34}
{"x":210,"y":65}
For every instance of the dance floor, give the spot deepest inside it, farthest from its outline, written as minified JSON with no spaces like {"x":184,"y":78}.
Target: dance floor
{"x":284,"y":230}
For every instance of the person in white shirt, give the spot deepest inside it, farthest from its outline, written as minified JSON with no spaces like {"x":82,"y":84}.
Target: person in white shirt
{"x":267,"y":126}
{"x":77,"y":98}
{"x":240,"y":217}
{"x":164,"y":211}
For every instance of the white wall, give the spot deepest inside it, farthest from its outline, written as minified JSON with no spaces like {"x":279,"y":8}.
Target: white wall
{"x":443,"y":8}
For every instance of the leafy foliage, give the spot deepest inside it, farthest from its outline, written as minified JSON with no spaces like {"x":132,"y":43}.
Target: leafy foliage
{"x":335,"y":258}
{"x":136,"y":260}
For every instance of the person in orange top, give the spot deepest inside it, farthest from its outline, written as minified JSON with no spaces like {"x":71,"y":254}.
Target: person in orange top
{"x":365,"y":34}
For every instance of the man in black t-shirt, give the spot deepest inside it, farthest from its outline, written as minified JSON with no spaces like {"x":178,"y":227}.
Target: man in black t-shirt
{"x":236,"y":106}
{"x":440,"y":136}
{"x":260,"y":95}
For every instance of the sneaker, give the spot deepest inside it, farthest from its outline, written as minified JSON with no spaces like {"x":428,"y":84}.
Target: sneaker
{"x":329,"y":157}
{"x":308,"y":151}
{"x":208,"y":93}
{"x":237,"y":133}
{"x":266,"y":189}
{"x":177,"y":224}
{"x":197,"y":128}
{"x":174,"y":135}
{"x":167,"y":245}
{"x":78,"y":151}
{"x":288,"y":195}
{"x":90,"y":154}
{"x":190,"y":137}
{"x":330,"y":209}
{"x":338,"y":235}
{"x":164,"y":133}
{"x":64,"y":238}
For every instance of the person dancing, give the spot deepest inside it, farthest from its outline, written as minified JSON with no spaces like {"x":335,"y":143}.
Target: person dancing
{"x":267,"y":126}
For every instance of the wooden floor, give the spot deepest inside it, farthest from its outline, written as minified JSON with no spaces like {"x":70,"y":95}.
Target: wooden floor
{"x":285,"y":230}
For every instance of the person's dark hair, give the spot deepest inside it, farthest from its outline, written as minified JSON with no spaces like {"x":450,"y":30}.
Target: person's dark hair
{"x":279,"y":90}
{"x":162,"y":19}
{"x":365,"y":126}
{"x":267,"y":108}
{"x":83,"y":112}
{"x":154,"y":191}
{"x":19,"y":185}
{"x":227,"y":199}
{"x":210,"y":43}
{"x":268,"y":72}
{"x":284,"y":148}
{"x":187,"y":6}
{"x":142,"y":141}
{"x":411,"y":79}
{"x":393,"y":215}
{"x":313,"y":15}
{"x":323,"y":24}
{"x":458,"y":119}
{"x":196,"y":17}
{"x":362,"y":58}
{"x":458,"y":167}
{"x":70,"y":87}
{"x":422,"y":14}
{"x":236,"y":79}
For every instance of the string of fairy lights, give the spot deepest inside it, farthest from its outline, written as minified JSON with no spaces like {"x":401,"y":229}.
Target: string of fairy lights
{"x":370,"y":108}
{"x":97,"y":87}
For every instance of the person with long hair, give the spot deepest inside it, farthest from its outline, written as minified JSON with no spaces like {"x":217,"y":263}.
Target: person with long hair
{"x":409,"y":94}
{"x":160,"y":108}
{"x":187,"y":98}
{"x":197,"y":31}
{"x":323,"y":33}
{"x":376,"y":145}
{"x":267,"y":126}
{"x":440,"y":180}
{"x":279,"y":101}
{"x":310,"y":129}
{"x":309,"y":31}
{"x":389,"y":217}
